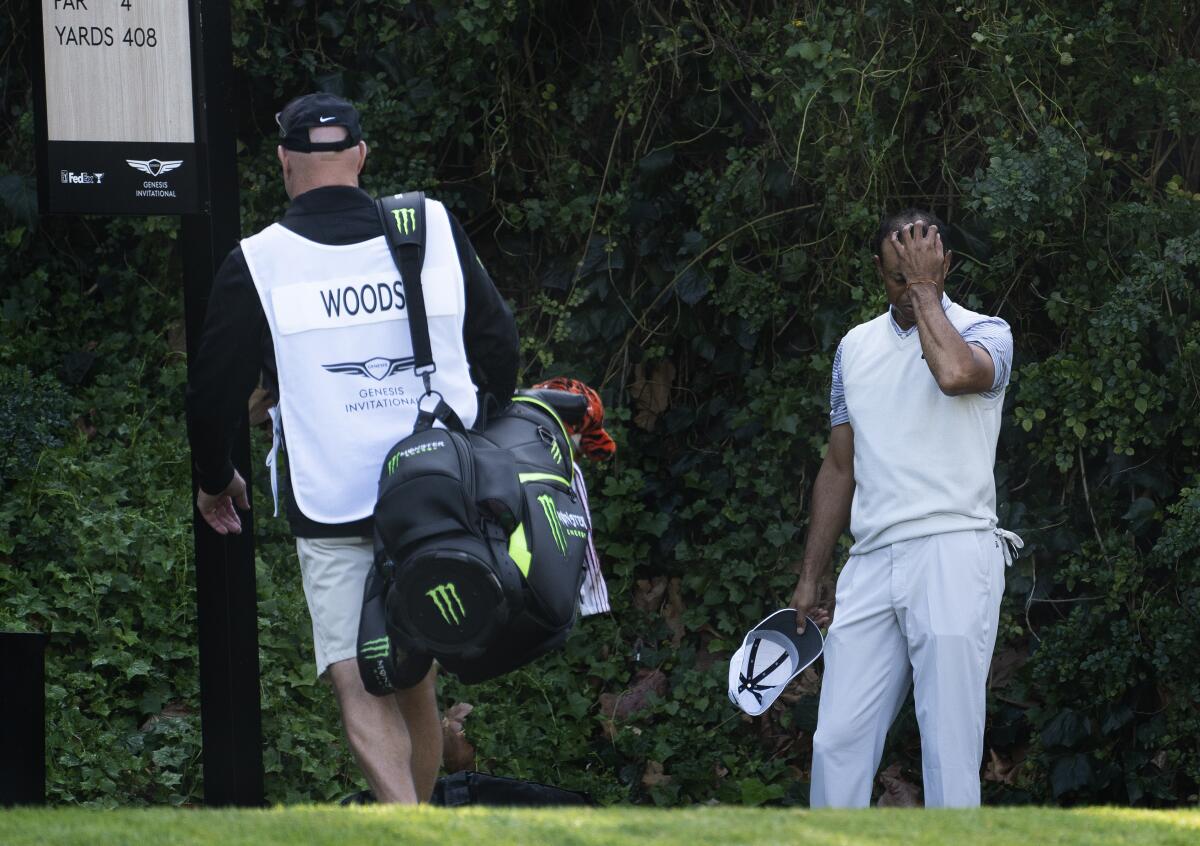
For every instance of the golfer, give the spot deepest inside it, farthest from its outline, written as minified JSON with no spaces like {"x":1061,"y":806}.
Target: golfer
{"x":315,"y":303}
{"x":915,"y":410}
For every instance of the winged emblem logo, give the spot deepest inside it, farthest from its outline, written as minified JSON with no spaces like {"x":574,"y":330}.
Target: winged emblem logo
{"x":374,"y":368}
{"x":154,"y":167}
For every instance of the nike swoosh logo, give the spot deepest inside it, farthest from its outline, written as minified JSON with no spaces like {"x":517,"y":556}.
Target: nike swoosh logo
{"x":326,"y":120}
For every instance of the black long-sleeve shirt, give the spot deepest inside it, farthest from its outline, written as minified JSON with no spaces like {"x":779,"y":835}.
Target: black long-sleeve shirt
{"x":236,"y":347}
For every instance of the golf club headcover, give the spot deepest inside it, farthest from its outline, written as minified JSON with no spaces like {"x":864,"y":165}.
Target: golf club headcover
{"x":384,"y":667}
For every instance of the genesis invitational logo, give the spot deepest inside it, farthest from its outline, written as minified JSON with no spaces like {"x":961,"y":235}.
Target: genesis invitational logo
{"x":153,"y":166}
{"x":373,"y":368}
{"x":154,"y":187}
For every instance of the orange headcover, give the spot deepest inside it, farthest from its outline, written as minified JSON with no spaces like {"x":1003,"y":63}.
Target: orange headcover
{"x":593,"y":440}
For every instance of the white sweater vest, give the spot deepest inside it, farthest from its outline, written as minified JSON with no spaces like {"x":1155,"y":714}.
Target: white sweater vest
{"x":922,"y":460}
{"x":339,"y":323}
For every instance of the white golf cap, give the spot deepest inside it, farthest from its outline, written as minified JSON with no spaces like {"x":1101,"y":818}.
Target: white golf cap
{"x":771,"y":655}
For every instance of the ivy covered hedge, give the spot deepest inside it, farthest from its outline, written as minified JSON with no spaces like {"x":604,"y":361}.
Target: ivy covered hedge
{"x":677,"y":199}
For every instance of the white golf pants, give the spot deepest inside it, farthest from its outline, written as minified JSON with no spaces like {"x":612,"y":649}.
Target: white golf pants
{"x":922,"y":612}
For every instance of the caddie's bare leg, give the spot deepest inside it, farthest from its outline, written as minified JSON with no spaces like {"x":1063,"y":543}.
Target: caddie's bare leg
{"x":419,"y":710}
{"x":378,"y":735}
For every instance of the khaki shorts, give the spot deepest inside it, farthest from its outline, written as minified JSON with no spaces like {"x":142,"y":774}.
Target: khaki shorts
{"x":334,"y":572}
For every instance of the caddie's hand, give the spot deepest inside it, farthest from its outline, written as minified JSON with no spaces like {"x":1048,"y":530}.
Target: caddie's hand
{"x":218,"y":509}
{"x":920,"y":256}
{"x":804,"y":600}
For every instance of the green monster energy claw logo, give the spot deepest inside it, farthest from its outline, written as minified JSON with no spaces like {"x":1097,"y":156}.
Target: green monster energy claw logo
{"x":555,"y":452}
{"x":372,"y":649}
{"x":406,"y":220}
{"x":556,"y":529}
{"x":445,"y":597}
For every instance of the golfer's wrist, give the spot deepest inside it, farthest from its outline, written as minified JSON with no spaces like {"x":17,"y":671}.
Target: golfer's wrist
{"x":214,"y":484}
{"x":810,"y":572}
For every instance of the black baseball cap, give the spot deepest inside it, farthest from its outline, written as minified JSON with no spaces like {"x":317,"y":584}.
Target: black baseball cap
{"x":320,"y":109}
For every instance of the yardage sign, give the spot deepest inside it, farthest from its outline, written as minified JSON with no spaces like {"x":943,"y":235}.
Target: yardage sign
{"x":116,"y":128}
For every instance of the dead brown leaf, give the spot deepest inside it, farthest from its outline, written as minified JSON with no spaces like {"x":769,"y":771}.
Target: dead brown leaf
{"x":177,"y":337}
{"x":999,"y":769}
{"x":648,"y":594}
{"x":654,"y":775}
{"x":176,"y":709}
{"x":608,"y":726}
{"x":457,"y":752}
{"x":1005,"y":665}
{"x":1165,"y":695}
{"x":261,"y":401}
{"x":651,"y":392}
{"x":809,"y":683}
{"x":84,"y":425}
{"x":619,"y":707}
{"x":897,"y":792}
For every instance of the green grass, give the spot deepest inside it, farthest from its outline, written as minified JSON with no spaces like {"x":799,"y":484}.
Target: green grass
{"x":362,"y":826}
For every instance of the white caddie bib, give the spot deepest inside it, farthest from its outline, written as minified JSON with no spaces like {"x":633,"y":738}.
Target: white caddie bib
{"x":339,"y":322}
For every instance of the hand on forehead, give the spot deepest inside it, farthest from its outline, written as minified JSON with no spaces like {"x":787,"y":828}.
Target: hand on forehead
{"x":898,"y":232}
{"x":912,"y":234}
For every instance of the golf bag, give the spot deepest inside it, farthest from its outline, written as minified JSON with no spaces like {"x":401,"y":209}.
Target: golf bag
{"x":479,"y":538}
{"x":472,"y":788}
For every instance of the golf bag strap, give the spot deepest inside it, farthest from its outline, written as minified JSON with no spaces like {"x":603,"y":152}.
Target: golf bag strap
{"x":403,"y":219}
{"x":443,"y":412}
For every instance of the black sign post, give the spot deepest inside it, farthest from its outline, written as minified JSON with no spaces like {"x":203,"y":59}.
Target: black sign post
{"x":22,"y":719}
{"x":230,"y":709}
{"x":135,"y":116}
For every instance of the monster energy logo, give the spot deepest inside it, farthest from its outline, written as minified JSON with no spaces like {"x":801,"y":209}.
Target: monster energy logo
{"x":556,"y":528}
{"x":442,"y":596}
{"x":419,"y":449}
{"x":372,"y":649}
{"x":555,"y":452}
{"x":406,"y":220}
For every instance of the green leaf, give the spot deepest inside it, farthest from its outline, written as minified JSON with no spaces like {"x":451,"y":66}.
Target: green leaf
{"x":807,"y":50}
{"x":1067,"y":729}
{"x":692,"y":286}
{"x":755,"y":793}
{"x":1070,"y":772}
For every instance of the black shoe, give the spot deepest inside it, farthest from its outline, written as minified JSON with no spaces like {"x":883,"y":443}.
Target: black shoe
{"x":362,"y":797}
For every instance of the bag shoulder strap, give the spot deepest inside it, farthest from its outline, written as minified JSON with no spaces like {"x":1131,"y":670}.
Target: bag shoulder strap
{"x":403,"y":219}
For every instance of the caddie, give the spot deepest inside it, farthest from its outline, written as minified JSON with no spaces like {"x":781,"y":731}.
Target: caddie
{"x":915,"y":412}
{"x":315,"y":303}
